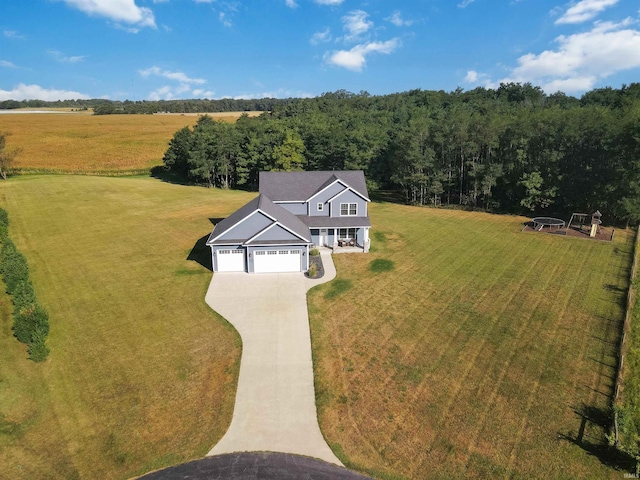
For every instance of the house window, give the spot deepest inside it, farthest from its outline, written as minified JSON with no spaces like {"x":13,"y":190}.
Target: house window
{"x":272,"y":252}
{"x":259,"y":252}
{"x":320,"y":207}
{"x":224,"y":252}
{"x":346,"y":233}
{"x":348,"y":209}
{"x":236,"y":251}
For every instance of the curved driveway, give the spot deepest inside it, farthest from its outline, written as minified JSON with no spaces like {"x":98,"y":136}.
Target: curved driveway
{"x":275,"y":407}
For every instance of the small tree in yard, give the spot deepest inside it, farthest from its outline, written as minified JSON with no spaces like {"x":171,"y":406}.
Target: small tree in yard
{"x":7,"y":157}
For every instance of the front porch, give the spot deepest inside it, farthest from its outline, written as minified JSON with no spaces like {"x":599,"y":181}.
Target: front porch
{"x":342,"y":240}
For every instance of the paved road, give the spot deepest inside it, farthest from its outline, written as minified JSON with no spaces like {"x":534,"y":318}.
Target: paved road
{"x":255,"y":466}
{"x":275,"y":406}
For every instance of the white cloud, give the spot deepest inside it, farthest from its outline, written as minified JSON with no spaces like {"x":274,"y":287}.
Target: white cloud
{"x":12,"y":34}
{"x":584,"y":10}
{"x":67,"y":59}
{"x":177,"y":76}
{"x":280,"y":93}
{"x":181,"y":91}
{"x":224,"y":20}
{"x":471,"y":77}
{"x":465,"y":3}
{"x":328,"y":2}
{"x":355,"y":23}
{"x":355,"y":59}
{"x":200,"y":93}
{"x":7,"y":64}
{"x":321,"y":37}
{"x":122,"y":11}
{"x":36,"y":92}
{"x":162,"y":93}
{"x":291,"y":3}
{"x":581,"y":59}
{"x":397,"y":20}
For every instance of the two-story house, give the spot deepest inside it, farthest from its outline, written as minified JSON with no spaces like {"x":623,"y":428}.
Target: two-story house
{"x":293,"y":212}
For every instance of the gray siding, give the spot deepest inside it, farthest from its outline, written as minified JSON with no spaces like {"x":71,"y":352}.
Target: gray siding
{"x":332,"y":191}
{"x":276,"y":233}
{"x":295,"y":208}
{"x":247,"y":228}
{"x":360,"y":236}
{"x":348,"y":197}
{"x":315,"y":236}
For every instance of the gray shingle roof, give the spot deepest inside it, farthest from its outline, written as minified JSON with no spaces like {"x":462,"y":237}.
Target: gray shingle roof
{"x":300,"y":186}
{"x":261,"y":202}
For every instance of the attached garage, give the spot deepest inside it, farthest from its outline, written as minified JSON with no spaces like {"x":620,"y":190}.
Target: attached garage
{"x":277,"y":260}
{"x":231,"y":260}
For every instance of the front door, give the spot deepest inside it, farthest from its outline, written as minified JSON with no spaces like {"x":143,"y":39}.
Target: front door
{"x":323,"y":237}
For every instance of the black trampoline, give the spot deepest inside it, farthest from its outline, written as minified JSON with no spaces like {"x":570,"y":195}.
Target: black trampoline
{"x":539,"y":223}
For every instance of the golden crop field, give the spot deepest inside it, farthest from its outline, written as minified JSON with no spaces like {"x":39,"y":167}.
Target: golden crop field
{"x":81,"y":143}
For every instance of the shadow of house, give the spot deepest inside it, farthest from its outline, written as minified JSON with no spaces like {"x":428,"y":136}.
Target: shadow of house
{"x":201,"y":253}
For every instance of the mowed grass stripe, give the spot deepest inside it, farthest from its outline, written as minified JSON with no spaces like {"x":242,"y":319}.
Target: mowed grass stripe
{"x":471,"y":304}
{"x":142,"y":373}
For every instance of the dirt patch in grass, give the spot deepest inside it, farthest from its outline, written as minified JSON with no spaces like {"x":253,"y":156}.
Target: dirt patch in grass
{"x":475,"y":355}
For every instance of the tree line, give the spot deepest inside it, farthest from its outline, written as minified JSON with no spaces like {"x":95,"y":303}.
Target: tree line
{"x":511,"y":149}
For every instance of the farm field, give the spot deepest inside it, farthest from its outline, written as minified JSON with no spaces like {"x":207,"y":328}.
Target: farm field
{"x":81,"y":143}
{"x":142,"y":373}
{"x":464,"y":348}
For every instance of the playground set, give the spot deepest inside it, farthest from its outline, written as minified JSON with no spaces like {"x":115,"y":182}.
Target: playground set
{"x":583,"y":225}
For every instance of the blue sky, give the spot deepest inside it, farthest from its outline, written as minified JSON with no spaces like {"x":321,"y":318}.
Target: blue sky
{"x":165,"y":49}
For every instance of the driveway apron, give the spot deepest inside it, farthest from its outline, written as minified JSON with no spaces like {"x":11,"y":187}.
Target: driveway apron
{"x":275,"y":407}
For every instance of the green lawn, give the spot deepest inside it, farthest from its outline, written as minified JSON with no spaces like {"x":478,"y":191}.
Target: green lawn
{"x":458,"y":347}
{"x":462,"y":347}
{"x":142,"y":373}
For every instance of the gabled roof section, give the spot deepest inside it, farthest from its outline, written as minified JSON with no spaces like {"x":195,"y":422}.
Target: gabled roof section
{"x":301,"y":186}
{"x":265,"y":206}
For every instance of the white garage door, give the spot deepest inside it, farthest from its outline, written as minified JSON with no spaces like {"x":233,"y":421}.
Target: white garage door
{"x":276,"y":260}
{"x":231,"y":260}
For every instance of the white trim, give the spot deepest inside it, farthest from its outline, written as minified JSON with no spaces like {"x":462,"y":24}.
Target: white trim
{"x":348,"y":214}
{"x":270,"y":227}
{"x":330,"y":185}
{"x":343,"y":191}
{"x":239,"y":222}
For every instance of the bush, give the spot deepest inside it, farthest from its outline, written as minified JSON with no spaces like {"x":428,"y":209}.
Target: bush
{"x":29,"y":322}
{"x":38,"y":350}
{"x":4,"y":217}
{"x":313,"y":270}
{"x":13,"y":266}
{"x":314,"y":252}
{"x":23,"y":295}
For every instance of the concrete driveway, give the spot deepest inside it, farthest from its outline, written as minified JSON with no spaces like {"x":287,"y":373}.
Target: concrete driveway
{"x":275,"y":407}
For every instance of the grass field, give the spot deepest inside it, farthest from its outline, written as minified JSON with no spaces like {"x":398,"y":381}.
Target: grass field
{"x":461,"y":347}
{"x":141,"y":373}
{"x":80,"y":143}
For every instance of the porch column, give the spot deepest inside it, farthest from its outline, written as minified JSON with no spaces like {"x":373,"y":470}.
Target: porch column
{"x":366,"y":240}
{"x":335,"y":238}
